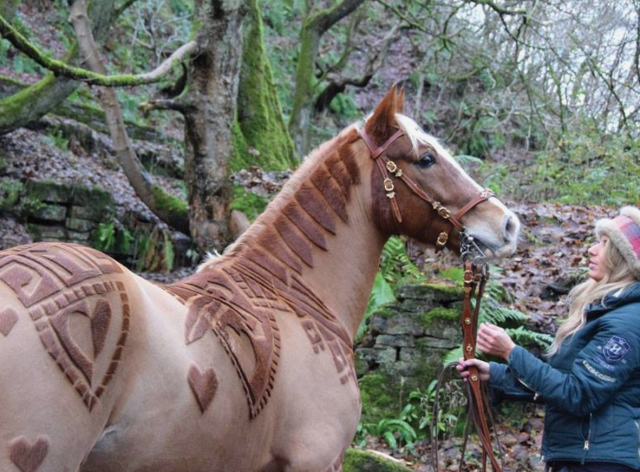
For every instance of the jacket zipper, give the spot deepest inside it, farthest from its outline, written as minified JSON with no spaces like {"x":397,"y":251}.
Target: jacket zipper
{"x":638,"y":428}
{"x":588,"y":440}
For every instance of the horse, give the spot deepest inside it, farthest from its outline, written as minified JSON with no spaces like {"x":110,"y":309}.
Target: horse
{"x":247,"y":365}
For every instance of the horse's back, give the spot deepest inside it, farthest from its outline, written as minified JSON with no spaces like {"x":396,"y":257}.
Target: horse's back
{"x":64,"y":325}
{"x":107,"y":372}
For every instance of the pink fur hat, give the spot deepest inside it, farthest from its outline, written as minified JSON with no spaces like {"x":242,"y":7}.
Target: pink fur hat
{"x":624,"y":232}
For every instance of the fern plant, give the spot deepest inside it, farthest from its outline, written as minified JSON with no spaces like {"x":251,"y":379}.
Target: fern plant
{"x":396,"y":268}
{"x":494,"y":311}
{"x":395,"y":264}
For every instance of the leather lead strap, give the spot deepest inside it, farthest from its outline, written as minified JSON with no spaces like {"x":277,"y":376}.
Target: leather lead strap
{"x":474,"y":284}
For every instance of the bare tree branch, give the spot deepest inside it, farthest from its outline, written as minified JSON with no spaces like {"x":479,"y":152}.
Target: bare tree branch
{"x":497,"y":8}
{"x":169,"y":209}
{"x":61,"y":68}
{"x":339,"y":83}
{"x":327,"y":18}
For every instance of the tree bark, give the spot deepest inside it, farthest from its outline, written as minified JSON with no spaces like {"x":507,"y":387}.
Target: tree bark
{"x":37,"y":100}
{"x":261,"y":138}
{"x":169,"y":209}
{"x":210,"y":108}
{"x":313,"y":27}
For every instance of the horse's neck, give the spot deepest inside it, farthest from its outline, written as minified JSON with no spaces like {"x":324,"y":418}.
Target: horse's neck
{"x":321,"y":239}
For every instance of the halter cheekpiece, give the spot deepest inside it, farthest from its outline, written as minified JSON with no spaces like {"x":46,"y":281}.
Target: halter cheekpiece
{"x":388,"y":167}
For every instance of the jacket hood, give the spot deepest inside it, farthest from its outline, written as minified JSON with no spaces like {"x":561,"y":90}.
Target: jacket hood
{"x":618,"y":298}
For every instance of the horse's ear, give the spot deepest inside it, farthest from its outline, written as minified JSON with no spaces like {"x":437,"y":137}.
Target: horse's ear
{"x":382,"y":123}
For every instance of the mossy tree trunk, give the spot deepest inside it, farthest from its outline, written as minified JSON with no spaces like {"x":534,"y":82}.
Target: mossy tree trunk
{"x":261,"y":137}
{"x":35,"y":101}
{"x":209,"y":108}
{"x":314,"y":26}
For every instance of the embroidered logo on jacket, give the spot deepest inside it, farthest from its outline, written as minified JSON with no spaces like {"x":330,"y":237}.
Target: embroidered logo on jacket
{"x":616,"y":349}
{"x":597,"y":374}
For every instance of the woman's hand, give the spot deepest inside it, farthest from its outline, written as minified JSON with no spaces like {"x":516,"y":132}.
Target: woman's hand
{"x":495,"y":341}
{"x":483,"y":368}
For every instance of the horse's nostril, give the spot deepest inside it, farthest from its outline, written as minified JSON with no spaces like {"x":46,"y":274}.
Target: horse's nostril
{"x":510,"y":228}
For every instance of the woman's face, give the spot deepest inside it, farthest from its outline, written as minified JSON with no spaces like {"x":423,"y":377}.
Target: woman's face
{"x":597,"y":267}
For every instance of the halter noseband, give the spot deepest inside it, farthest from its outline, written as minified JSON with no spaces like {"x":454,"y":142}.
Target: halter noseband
{"x":386,"y":165}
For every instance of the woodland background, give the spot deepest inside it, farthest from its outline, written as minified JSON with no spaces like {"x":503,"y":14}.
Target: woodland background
{"x":183,"y":118}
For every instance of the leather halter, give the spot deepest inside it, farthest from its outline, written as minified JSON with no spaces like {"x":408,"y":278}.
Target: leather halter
{"x":386,"y":165}
{"x":476,"y":275}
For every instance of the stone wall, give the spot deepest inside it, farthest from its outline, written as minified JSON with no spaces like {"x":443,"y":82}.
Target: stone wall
{"x":405,"y":345}
{"x":75,"y":213}
{"x":70,"y":213}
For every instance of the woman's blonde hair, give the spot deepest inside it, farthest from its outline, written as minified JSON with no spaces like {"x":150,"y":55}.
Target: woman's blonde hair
{"x":617,"y":276}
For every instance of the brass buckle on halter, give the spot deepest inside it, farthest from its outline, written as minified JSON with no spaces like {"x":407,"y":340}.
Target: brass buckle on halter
{"x":444,"y":213}
{"x":394,"y":169}
{"x":486,"y":193}
{"x":389,"y":187}
{"x":442,"y":239}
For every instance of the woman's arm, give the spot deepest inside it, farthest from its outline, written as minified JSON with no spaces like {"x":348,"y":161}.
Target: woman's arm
{"x":593,"y":377}
{"x":504,"y":385}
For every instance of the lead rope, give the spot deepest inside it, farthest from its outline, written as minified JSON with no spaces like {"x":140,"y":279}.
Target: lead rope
{"x":475,"y":279}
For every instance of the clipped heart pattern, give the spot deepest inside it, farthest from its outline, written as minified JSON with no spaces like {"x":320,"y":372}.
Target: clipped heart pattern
{"x":26,"y":456}
{"x":8,"y":319}
{"x":203,"y":384}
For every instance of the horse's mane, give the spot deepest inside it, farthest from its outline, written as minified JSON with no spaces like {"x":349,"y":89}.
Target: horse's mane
{"x":306,"y":208}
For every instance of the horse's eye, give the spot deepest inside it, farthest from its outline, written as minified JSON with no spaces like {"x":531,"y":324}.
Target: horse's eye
{"x":427,"y":160}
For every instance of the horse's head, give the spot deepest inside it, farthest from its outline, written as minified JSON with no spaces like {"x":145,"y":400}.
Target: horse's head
{"x":420,"y":191}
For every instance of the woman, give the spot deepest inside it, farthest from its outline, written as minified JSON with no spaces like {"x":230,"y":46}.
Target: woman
{"x":591,"y":382}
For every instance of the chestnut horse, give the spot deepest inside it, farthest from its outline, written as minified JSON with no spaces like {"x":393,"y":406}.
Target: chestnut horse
{"x":246,"y":365}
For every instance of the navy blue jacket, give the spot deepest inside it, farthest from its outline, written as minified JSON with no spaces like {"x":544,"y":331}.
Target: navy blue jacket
{"x":591,"y":386}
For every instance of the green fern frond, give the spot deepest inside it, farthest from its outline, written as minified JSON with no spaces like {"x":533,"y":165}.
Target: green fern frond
{"x":491,"y":312}
{"x":522,"y":335}
{"x":395,"y":264}
{"x":468,"y":161}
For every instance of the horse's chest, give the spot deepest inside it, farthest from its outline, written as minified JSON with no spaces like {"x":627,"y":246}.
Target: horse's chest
{"x":246,"y":311}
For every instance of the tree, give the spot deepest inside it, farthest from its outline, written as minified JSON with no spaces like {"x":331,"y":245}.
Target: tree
{"x":316,"y":24}
{"x":261,"y":135}
{"x":215,"y":132}
{"x":35,"y":101}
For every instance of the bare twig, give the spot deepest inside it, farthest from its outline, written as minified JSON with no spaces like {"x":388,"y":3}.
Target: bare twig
{"x":61,"y":68}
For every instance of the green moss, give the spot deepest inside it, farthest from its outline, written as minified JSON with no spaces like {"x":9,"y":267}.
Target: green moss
{"x":13,"y":105}
{"x":361,"y":461}
{"x":261,"y":137}
{"x":9,"y":194}
{"x":168,"y":203}
{"x":449,"y":290}
{"x":440,"y":313}
{"x":378,"y":397}
{"x":386,"y":312}
{"x":248,"y":203}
